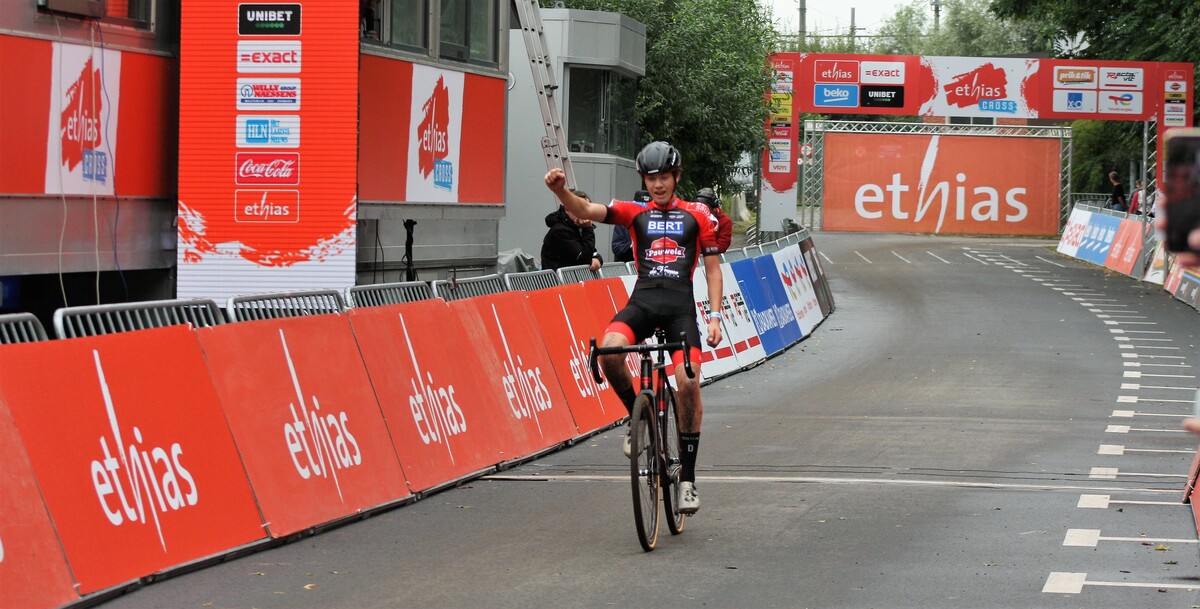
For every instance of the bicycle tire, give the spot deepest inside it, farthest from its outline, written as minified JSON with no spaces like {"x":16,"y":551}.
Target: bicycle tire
{"x":643,"y":471}
{"x":669,"y":429}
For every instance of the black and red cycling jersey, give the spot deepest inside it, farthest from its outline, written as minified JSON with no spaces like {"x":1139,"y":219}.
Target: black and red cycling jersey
{"x":667,"y":242}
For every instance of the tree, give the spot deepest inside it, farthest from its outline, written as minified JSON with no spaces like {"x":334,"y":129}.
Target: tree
{"x":707,"y":74}
{"x":968,"y":29}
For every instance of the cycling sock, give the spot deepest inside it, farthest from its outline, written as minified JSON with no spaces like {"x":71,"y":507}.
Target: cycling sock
{"x":627,"y":395}
{"x":689,"y":445}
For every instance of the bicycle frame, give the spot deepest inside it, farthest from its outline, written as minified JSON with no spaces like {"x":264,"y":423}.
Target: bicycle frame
{"x":654,"y":461}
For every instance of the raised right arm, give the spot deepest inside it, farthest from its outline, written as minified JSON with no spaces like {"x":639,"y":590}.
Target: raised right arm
{"x":556,"y":181}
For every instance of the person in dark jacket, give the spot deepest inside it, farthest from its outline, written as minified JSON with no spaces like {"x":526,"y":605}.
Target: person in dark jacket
{"x":570,"y":240}
{"x":724,"y":222}
{"x":622,"y":243}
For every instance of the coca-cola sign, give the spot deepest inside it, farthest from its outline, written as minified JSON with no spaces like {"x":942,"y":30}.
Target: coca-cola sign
{"x":277,"y":168}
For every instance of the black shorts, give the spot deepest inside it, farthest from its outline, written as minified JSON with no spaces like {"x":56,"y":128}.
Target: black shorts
{"x":672,"y":310}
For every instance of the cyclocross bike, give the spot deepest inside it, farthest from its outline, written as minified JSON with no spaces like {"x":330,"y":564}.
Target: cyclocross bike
{"x":654,"y":436}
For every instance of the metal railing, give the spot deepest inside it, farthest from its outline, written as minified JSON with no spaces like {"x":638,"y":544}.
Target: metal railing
{"x":21,"y":328}
{"x":455,"y":289}
{"x":615,"y":269}
{"x":96,"y":320}
{"x":575,"y":274}
{"x":383,"y":294}
{"x":531,"y":280}
{"x":733,"y":255}
{"x":280,"y":305}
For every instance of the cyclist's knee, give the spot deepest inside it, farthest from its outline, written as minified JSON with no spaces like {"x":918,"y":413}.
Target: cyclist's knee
{"x":612,"y":364}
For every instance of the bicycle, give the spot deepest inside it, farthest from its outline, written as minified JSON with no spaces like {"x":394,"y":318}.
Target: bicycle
{"x":654,"y":436}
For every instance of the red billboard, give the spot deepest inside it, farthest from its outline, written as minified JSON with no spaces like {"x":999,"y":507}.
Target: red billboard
{"x":268,"y":150}
{"x":948,"y":184}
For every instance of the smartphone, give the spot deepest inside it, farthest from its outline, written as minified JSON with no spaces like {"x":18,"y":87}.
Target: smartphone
{"x":1182,"y":183}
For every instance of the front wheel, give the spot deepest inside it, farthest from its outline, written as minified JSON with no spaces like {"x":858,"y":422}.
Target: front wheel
{"x":669,"y":428}
{"x":644,"y":471}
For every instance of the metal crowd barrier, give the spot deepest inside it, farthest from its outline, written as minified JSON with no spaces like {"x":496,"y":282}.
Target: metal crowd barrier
{"x":448,"y":289}
{"x":284,"y":304}
{"x":575,"y":274}
{"x":531,"y":280}
{"x":21,"y":328}
{"x":383,"y":294}
{"x":753,"y":251}
{"x":95,"y":320}
{"x":733,"y":255}
{"x":614,"y":269}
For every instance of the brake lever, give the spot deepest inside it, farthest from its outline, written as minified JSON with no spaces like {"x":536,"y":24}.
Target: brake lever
{"x":592,"y":362}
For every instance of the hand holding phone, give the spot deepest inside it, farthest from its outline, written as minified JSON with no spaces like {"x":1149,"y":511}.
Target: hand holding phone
{"x":1181,"y":178}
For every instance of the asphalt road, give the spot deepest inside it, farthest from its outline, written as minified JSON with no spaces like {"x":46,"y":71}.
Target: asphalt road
{"x":935,"y":443}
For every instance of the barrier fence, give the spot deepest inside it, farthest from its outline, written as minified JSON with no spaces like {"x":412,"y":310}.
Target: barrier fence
{"x":316,"y":412}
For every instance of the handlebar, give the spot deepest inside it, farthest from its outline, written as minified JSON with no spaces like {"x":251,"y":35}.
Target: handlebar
{"x":594,"y":352}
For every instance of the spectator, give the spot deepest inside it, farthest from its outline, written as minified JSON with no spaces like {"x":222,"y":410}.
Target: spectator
{"x":570,"y":241}
{"x":622,"y":244}
{"x":724,"y":222}
{"x":1152,"y":200}
{"x":1135,"y":198}
{"x":1117,"y":200}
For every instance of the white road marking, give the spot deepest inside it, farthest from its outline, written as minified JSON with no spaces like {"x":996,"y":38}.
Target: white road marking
{"x":1117,"y":450}
{"x":717,"y":479}
{"x":1111,"y":473}
{"x":1101,"y":502}
{"x":827,"y":258}
{"x":900,"y":257}
{"x":1134,"y":374}
{"x":1128,"y":429}
{"x":1090,"y":538}
{"x":1073,"y":583}
{"x":1138,"y":387}
{"x":863,"y":257}
{"x":974,"y":258}
{"x":1051,"y":262}
{"x":938,"y":257}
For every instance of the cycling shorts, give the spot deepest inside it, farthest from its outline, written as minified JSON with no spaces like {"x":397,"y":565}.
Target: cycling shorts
{"x":670,"y":309}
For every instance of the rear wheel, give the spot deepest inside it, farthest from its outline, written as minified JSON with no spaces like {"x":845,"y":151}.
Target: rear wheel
{"x":669,"y":428}
{"x":644,"y":471}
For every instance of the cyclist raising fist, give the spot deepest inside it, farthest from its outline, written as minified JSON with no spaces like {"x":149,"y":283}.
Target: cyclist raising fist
{"x":669,"y":238}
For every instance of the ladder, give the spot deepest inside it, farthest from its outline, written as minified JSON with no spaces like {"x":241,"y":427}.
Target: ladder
{"x":553,"y":143}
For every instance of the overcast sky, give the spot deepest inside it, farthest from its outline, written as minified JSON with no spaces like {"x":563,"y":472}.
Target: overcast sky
{"x":833,"y":16}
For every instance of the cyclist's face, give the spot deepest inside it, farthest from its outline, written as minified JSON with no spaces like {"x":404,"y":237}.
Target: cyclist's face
{"x":661,"y":186}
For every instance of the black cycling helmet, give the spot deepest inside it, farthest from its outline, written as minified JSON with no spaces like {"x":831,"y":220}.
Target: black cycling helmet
{"x":658,"y":157}
{"x":707,"y":197}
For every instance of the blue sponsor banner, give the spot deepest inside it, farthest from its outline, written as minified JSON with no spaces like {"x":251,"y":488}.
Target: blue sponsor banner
{"x":835,"y":96}
{"x":767,"y":301}
{"x":1098,"y":238}
{"x":759,"y":302}
{"x":785,"y":315}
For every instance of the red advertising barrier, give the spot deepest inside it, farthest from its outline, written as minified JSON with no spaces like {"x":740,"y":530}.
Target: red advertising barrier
{"x":33,"y":570}
{"x":533,"y":399}
{"x":568,"y":322}
{"x":135,"y":460}
{"x":304,"y":418}
{"x":607,"y":296}
{"x":445,"y":417}
{"x":1126,"y":247}
{"x":941,"y":184}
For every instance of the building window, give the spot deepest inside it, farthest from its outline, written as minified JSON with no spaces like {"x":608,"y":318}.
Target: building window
{"x":137,"y":13}
{"x":601,"y":112}
{"x":470,"y":31}
{"x":400,"y":23}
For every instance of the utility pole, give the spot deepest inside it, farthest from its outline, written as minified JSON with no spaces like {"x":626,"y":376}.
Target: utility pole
{"x":853,"y":30}
{"x":937,"y":13}
{"x":803,"y":15}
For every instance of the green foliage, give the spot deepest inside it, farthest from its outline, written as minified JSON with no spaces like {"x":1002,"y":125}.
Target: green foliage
{"x":707,"y":72}
{"x":1100,"y":147}
{"x":967,"y":29}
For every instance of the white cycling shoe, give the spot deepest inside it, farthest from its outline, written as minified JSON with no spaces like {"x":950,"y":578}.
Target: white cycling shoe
{"x":627,"y":445}
{"x":689,"y":499}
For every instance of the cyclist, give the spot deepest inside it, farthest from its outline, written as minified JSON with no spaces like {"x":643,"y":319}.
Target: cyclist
{"x":669,"y":237}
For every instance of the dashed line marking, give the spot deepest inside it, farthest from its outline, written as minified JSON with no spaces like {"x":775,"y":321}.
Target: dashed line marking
{"x":1128,"y":429}
{"x":1051,"y":262}
{"x":1090,"y":538}
{"x":827,"y":258}
{"x":1101,"y":502}
{"x":1139,"y":386}
{"x":975,"y":259}
{"x":901,"y":257}
{"x":1073,"y":583}
{"x":1117,"y":450}
{"x":863,"y":257}
{"x":938,"y":257}
{"x":1112,"y":473}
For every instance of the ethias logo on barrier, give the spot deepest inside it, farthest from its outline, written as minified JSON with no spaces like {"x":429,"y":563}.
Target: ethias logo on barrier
{"x":155,"y":479}
{"x":319,"y":444}
{"x":436,"y":414}
{"x":526,"y":391}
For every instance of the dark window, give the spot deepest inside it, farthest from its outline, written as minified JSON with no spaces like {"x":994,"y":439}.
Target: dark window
{"x":601,"y":112}
{"x":470,"y":31}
